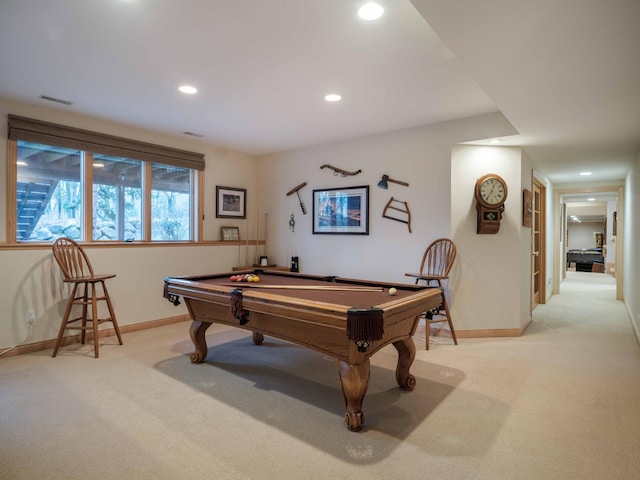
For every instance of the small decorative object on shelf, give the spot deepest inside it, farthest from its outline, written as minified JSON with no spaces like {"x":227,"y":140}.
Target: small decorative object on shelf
{"x":230,"y":234}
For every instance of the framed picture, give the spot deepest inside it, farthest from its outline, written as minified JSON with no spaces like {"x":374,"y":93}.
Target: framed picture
{"x":597,"y":239}
{"x":341,"y":211}
{"x":231,"y":202}
{"x":527,"y":208}
{"x":230,"y":234}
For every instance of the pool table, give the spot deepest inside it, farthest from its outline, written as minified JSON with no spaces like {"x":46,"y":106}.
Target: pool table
{"x":347,"y":319}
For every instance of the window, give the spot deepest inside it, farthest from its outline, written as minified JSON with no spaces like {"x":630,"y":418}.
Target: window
{"x":92,"y":192}
{"x":170,"y":202}
{"x":117,"y":199}
{"x":48,"y":192}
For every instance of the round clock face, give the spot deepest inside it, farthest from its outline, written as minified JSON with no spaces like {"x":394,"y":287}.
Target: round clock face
{"x":493,"y":191}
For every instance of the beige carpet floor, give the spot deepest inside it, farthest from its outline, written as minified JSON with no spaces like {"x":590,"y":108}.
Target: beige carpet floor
{"x":560,"y":402}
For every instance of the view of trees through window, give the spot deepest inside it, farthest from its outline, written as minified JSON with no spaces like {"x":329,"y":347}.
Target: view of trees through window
{"x":170,"y":202}
{"x":117,"y":198}
{"x":49,"y":193}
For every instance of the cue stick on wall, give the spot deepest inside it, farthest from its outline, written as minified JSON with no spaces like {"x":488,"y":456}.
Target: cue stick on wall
{"x":246,"y":249}
{"x":265,"y":234}
{"x":255,"y":260}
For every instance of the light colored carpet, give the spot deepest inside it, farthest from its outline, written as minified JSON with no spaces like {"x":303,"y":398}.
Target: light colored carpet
{"x":561,"y":402}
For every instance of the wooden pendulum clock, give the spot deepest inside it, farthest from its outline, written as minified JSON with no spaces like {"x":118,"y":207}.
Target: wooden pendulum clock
{"x":491,"y":193}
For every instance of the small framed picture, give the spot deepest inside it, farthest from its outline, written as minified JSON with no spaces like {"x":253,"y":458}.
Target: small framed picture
{"x":341,"y":210}
{"x":230,"y":234}
{"x":527,"y":208}
{"x":231,"y":202}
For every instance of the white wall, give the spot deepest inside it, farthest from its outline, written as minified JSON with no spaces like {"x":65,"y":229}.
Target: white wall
{"x":492,"y":289}
{"x":631,"y":242}
{"x":35,"y":283}
{"x":420,"y":156}
{"x":580,"y":235}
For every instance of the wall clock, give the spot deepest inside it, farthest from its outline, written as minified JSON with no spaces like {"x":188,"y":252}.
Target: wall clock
{"x":491,"y":193}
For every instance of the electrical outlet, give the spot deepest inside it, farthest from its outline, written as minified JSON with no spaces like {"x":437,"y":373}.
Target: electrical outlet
{"x":31,"y":317}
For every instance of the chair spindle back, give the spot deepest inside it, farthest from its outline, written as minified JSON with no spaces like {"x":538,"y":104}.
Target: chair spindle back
{"x":72,"y":259}
{"x":438,"y":258}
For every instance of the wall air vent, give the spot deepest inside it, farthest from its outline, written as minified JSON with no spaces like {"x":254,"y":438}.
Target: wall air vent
{"x":57,"y":100}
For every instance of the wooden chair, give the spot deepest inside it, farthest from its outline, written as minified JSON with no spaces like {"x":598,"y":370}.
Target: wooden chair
{"x":77,"y":270}
{"x":436,"y":263}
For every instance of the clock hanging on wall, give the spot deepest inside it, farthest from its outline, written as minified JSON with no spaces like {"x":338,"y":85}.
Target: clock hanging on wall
{"x":491,"y":193}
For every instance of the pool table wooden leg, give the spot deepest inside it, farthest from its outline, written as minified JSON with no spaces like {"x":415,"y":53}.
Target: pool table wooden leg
{"x":355,"y":381}
{"x":406,"y":354}
{"x":197,"y":332}
{"x":258,"y":338}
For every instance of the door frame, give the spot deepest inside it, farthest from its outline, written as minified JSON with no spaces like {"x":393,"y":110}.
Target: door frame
{"x":542,"y":247}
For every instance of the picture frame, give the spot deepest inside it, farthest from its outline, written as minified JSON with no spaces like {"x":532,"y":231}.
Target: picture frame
{"x":598,"y":239}
{"x":230,"y":234}
{"x":527,"y":208}
{"x":231,"y":202}
{"x":341,"y":211}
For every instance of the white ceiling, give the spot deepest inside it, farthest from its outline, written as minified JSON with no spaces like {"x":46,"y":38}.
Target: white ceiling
{"x":565,"y":73}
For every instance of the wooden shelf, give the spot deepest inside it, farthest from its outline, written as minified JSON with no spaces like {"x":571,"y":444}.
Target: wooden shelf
{"x":268,"y":267}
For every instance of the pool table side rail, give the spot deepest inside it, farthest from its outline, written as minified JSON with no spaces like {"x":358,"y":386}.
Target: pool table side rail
{"x":315,"y":325}
{"x":187,"y":289}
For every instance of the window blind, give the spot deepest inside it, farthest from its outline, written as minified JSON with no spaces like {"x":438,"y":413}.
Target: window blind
{"x":37,"y":131}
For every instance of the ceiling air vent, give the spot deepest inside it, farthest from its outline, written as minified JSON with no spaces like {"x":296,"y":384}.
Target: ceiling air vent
{"x":57,"y":100}
{"x":193,"y":134}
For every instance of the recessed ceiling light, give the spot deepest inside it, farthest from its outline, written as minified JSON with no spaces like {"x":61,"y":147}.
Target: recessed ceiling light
{"x":188,"y":89}
{"x":370,"y":11}
{"x":591,"y":199}
{"x":333,"y":97}
{"x":585,"y":174}
{"x":496,"y":140}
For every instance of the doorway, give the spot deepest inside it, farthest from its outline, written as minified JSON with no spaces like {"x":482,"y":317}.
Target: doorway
{"x":538,"y":250}
{"x":565,"y":202}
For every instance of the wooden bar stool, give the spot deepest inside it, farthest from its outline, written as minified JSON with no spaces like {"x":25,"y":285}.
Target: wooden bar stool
{"x":435,"y":266}
{"x":77,"y":270}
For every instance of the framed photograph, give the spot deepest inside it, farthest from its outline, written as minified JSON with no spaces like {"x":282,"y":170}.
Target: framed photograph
{"x":231,"y":202}
{"x":341,"y":211}
{"x":230,"y":234}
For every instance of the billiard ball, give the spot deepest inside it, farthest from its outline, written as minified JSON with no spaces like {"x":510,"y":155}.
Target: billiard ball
{"x":392,"y":291}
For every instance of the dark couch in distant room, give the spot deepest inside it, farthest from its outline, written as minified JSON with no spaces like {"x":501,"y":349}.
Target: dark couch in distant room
{"x":584,"y":258}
